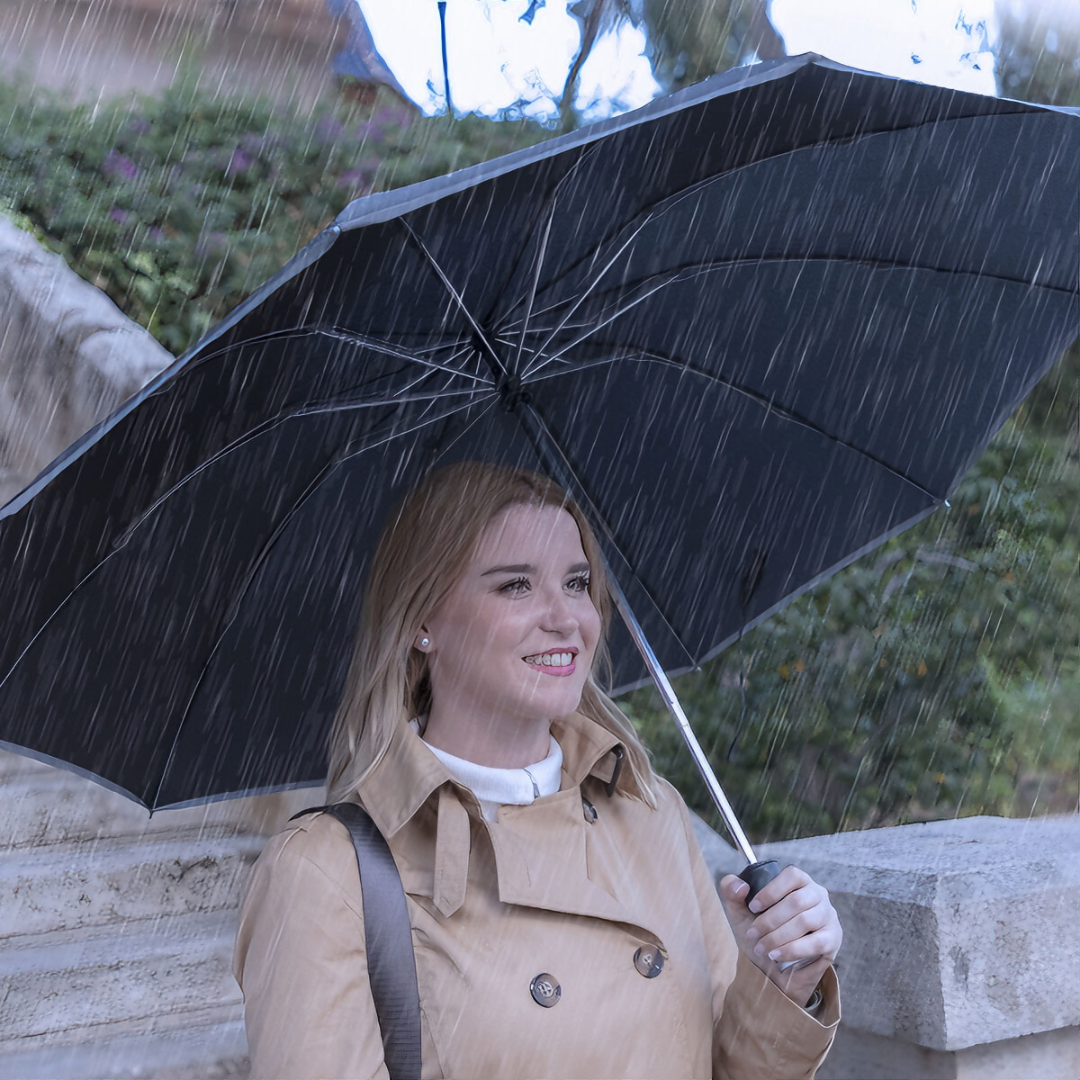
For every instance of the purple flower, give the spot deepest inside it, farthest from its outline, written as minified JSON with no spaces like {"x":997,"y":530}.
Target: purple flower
{"x":240,"y":162}
{"x":157,"y":235}
{"x":254,"y":144}
{"x":328,"y":129}
{"x":121,"y":217}
{"x":140,"y":127}
{"x":213,"y":243}
{"x":354,"y":178}
{"x":119,"y":166}
{"x":393,"y":117}
{"x":361,"y":175}
{"x":370,"y":129}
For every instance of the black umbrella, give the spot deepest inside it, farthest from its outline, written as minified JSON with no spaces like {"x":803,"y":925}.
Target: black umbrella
{"x":757,"y":327}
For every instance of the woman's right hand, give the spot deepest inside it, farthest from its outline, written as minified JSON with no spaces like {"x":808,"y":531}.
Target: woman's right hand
{"x":790,"y":919}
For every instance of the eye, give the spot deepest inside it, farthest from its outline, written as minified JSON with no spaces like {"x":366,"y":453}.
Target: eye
{"x":516,"y":587}
{"x":579,"y":583}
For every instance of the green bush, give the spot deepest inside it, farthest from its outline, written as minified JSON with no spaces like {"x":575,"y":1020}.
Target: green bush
{"x":179,"y":206}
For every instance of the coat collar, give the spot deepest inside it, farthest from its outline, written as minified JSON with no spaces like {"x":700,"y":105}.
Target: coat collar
{"x":540,"y":850}
{"x":406,"y":776}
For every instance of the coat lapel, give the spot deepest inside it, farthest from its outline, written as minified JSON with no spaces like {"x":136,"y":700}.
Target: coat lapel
{"x":539,"y":850}
{"x":540,"y":856}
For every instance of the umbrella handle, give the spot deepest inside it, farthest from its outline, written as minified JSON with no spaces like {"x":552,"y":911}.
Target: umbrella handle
{"x":757,"y":875}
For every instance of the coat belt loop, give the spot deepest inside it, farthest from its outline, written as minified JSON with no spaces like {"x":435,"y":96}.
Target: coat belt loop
{"x":452,"y":844}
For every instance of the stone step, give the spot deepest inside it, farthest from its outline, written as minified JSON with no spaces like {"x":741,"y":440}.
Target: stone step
{"x":65,"y":887}
{"x":140,"y":978}
{"x":42,"y":805}
{"x":211,"y":1051}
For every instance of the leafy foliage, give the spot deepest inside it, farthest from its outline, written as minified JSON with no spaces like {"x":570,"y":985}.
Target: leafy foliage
{"x":178,"y":206}
{"x":1038,"y":57}
{"x":690,"y":41}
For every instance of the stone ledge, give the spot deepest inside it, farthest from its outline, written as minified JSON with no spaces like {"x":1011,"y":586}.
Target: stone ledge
{"x":958,"y":933}
{"x":857,"y":1055}
{"x":82,"y":886}
{"x":204,"y":1052}
{"x":961,"y":955}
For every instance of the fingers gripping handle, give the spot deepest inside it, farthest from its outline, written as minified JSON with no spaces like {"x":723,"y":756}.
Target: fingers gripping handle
{"x":757,"y":875}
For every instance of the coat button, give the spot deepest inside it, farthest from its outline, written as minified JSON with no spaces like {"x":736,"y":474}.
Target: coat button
{"x":545,"y":990}
{"x":649,"y":961}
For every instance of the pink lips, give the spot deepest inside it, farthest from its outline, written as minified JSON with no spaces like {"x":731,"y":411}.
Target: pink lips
{"x":567,"y":669}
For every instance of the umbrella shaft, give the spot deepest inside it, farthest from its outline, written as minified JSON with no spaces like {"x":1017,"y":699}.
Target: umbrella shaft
{"x":674,"y":706}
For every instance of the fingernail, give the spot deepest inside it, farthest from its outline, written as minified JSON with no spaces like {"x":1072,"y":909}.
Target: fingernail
{"x":741,"y":889}
{"x":775,"y":954}
{"x":759,"y":950}
{"x":755,"y":906}
{"x":753,"y":933}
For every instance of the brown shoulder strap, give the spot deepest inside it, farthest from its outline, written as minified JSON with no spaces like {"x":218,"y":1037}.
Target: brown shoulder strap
{"x":390,"y":958}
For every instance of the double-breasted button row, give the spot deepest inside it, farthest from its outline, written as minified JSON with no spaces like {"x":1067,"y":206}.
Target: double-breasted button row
{"x":546,"y":991}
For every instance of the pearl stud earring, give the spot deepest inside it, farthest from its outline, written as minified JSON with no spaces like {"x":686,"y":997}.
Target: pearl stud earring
{"x":425,"y":642}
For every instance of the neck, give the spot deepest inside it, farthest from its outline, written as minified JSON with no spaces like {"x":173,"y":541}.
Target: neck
{"x":499,"y":743}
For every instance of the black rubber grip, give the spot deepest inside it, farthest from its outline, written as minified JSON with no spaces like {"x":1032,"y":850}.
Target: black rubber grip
{"x":758,"y":874}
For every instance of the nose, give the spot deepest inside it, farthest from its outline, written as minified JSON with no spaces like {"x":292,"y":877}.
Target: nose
{"x":558,"y":616}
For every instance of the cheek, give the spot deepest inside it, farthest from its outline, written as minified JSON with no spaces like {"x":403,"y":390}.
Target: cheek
{"x":590,"y":628}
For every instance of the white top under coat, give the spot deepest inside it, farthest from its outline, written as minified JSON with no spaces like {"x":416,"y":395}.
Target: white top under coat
{"x":499,"y":787}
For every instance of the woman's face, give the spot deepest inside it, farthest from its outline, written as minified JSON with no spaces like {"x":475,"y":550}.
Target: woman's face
{"x":515,"y":638}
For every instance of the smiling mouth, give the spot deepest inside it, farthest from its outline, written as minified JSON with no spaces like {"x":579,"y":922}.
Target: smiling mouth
{"x":560,"y":660}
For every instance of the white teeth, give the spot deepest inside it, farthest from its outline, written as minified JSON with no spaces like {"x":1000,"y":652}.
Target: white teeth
{"x":564,"y":659}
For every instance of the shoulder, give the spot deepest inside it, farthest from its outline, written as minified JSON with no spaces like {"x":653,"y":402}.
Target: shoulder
{"x":671,"y":813}
{"x":667,"y":824}
{"x":313,"y":856}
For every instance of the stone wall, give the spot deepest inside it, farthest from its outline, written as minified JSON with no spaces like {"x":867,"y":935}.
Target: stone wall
{"x":961,"y":955}
{"x":68,"y":357}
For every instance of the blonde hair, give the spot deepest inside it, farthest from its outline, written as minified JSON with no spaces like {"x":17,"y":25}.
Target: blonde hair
{"x":423,"y":551}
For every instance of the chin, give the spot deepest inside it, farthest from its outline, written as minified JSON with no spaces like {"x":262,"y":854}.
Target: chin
{"x":554,"y":706}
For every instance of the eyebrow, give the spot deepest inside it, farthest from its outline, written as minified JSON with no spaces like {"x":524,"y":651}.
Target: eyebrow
{"x":528,"y":568}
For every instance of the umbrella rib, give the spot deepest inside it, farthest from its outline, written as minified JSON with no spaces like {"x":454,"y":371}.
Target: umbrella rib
{"x":551,"y":445}
{"x":314,"y":408}
{"x":599,"y":326}
{"x":233,"y":610}
{"x":596,"y":281}
{"x":535,"y":282}
{"x":448,"y":285}
{"x":335,"y":332}
{"x":672,"y":277}
{"x":770,"y":406}
{"x":547,"y":205}
{"x":378,"y":345}
{"x":661,"y":206}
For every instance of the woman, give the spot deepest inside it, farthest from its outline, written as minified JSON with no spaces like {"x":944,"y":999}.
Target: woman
{"x":531,"y":835}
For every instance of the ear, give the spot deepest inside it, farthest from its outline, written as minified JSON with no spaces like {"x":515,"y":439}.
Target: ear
{"x":423,"y":640}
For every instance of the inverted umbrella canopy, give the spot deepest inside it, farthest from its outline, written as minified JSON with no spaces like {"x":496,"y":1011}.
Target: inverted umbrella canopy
{"x":757,"y":327}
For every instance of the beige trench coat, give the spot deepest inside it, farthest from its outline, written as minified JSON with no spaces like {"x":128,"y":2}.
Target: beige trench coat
{"x":544,"y":890}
